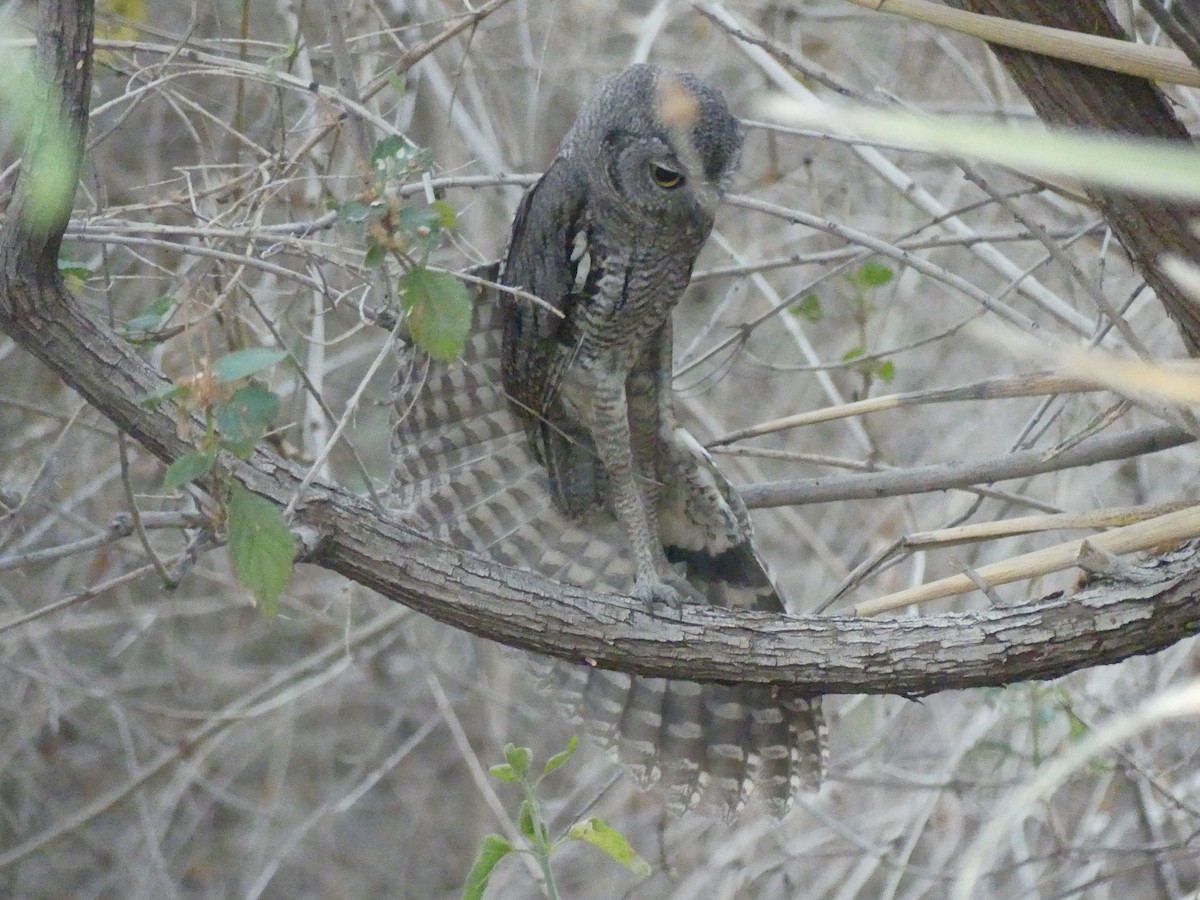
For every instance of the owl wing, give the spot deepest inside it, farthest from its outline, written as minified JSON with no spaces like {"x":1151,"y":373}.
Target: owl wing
{"x":704,"y":527}
{"x":547,"y":257}
{"x":465,"y":473}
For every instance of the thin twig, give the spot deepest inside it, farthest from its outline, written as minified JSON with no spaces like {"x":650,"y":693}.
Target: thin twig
{"x":940,"y":477}
{"x":1035,"y":385}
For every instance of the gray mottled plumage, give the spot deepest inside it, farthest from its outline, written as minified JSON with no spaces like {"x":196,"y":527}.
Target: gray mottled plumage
{"x":553,"y":445}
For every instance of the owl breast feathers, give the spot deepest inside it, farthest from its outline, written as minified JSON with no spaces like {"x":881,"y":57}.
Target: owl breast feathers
{"x":553,"y":445}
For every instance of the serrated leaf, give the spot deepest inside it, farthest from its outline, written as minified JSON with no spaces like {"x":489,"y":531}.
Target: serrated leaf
{"x":558,"y":759}
{"x":388,"y":149}
{"x":874,"y":274}
{"x":504,"y":772}
{"x":244,"y":363}
{"x":188,"y":468}
{"x":244,"y":417}
{"x":886,"y":371}
{"x":494,"y":849}
{"x":519,"y":758}
{"x":151,"y":317}
{"x":260,"y":546}
{"x":439,"y":312}
{"x":808,"y":308}
{"x":593,"y":831}
{"x":376,"y":254}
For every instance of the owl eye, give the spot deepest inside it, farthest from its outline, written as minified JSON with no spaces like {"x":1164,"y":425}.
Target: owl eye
{"x":664,"y":177}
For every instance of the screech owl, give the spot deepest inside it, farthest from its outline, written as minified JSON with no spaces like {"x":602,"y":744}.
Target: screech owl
{"x":574,"y":465}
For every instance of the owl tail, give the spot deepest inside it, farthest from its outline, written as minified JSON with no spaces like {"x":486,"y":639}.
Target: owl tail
{"x":463,"y":472}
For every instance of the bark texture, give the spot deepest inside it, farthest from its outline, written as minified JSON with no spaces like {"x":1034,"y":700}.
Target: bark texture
{"x":1103,"y":624}
{"x":1067,"y":94}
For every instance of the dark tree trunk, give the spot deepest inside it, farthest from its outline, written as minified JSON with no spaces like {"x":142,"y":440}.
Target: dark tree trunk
{"x":1067,"y":94}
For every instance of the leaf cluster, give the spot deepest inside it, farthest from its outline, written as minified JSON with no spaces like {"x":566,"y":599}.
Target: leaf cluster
{"x":237,"y":413}
{"x":516,"y":769}
{"x":436,"y":304}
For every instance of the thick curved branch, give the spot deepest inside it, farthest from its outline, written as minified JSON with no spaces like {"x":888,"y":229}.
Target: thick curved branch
{"x":819,"y":655}
{"x":344,"y":533}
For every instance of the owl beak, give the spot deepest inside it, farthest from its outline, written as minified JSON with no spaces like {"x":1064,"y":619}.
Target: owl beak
{"x":708,"y":195}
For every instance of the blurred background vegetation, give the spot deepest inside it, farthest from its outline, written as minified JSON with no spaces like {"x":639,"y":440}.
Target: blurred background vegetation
{"x":178,"y":743}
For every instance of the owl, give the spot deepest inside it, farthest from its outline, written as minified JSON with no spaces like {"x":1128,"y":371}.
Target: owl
{"x":553,"y":444}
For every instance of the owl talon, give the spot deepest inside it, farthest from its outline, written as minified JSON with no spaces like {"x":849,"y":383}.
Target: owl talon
{"x":670,"y":590}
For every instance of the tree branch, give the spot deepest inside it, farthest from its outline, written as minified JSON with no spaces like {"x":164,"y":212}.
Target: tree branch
{"x":1079,"y":96}
{"x":944,"y":476}
{"x":344,"y":533}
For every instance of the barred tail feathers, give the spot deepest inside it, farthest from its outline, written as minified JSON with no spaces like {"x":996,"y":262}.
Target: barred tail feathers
{"x":464,"y":472}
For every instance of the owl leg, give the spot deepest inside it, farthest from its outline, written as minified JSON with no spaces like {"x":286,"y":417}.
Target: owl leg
{"x":609,"y":423}
{"x":645,"y":399}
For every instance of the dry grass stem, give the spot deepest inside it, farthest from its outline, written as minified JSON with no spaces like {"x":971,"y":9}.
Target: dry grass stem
{"x":1160,"y":531}
{"x":1157,"y":63}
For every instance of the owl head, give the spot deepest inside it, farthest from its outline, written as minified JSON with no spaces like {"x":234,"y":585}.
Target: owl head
{"x":656,"y":146}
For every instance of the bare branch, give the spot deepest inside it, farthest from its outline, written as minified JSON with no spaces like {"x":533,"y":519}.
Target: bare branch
{"x":940,"y":477}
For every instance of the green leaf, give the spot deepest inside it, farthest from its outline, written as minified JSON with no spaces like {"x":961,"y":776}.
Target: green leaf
{"x":26,"y":97}
{"x":519,"y":758}
{"x":163,"y":392}
{"x":1077,"y":728}
{"x":387,"y":149}
{"x":244,"y":363}
{"x":285,"y":56}
{"x":446,"y":216}
{"x":494,"y":849}
{"x":397,"y":82}
{"x":421,"y":160}
{"x":557,"y":760}
{"x":376,"y":254}
{"x":395,"y":158}
{"x":1155,"y":167}
{"x":244,"y":417}
{"x":260,"y":546}
{"x":188,"y":468}
{"x":886,"y":371}
{"x":593,"y":831}
{"x":504,"y":772}
{"x":439,"y":312}
{"x":525,"y":819}
{"x":853,"y":354}
{"x":68,"y":271}
{"x":808,"y":308}
{"x":1001,"y":748}
{"x":873,"y":275}
{"x":151,"y":317}
{"x":354,"y":212}
{"x":422,"y":225}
